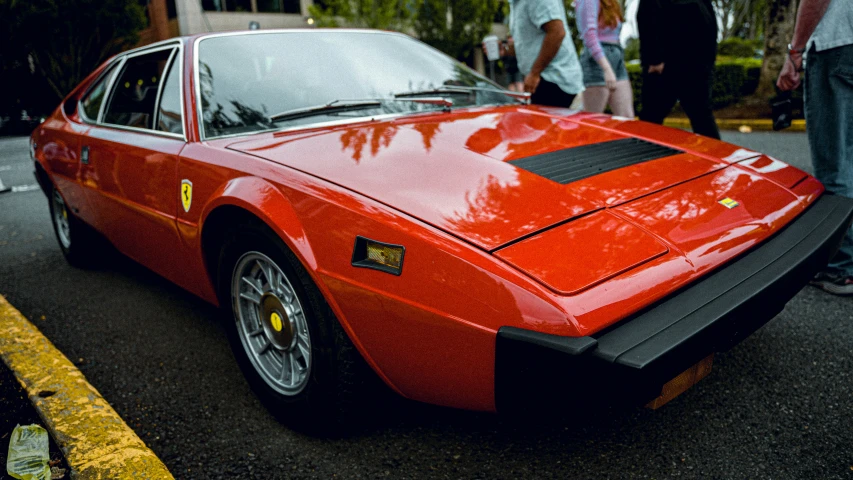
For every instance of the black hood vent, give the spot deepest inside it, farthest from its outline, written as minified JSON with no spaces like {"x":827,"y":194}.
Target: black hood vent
{"x":573,"y":164}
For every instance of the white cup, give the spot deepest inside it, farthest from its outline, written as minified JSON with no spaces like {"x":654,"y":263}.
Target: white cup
{"x":492,"y":49}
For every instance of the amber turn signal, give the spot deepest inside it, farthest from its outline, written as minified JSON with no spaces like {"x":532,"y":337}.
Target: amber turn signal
{"x":384,"y":257}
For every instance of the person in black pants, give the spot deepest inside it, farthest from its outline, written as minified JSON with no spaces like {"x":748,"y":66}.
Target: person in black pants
{"x":678,"y":48}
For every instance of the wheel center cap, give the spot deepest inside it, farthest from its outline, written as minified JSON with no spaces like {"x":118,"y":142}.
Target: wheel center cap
{"x":277,"y":324}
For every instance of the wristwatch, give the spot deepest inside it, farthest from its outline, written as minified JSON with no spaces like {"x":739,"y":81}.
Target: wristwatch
{"x":793,"y":51}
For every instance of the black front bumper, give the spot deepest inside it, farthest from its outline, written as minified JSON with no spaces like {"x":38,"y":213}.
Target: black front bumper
{"x":632,"y":360}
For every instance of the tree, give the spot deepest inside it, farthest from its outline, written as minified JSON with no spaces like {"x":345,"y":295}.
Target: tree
{"x":12,"y":58}
{"x":381,"y":14}
{"x":750,"y":21}
{"x":740,"y":18}
{"x":66,"y":39}
{"x":573,"y":24}
{"x":456,"y":27}
{"x":778,"y":31}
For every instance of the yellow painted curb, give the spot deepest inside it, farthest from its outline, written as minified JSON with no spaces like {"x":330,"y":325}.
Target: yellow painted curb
{"x":755,"y":124}
{"x":96,"y":442}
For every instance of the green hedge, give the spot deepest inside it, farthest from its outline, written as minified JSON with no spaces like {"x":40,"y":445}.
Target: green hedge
{"x":738,"y":47}
{"x":733,"y":78}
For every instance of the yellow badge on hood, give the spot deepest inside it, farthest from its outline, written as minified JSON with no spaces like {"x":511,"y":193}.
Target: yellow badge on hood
{"x":728,"y":203}
{"x":186,"y":194}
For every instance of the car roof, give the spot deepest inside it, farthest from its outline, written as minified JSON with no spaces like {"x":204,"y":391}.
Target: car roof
{"x":286,"y":30}
{"x":190,"y":39}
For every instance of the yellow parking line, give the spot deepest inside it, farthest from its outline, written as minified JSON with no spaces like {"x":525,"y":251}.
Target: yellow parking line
{"x":96,"y":442}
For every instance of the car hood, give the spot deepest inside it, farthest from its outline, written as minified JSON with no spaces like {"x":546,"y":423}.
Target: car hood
{"x":468,"y":172}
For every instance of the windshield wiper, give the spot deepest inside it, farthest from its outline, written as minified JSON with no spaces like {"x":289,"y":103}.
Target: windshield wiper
{"x":336,"y":106}
{"x":432,"y":91}
{"x":332,"y":107}
{"x":524,"y":97}
{"x":444,"y":103}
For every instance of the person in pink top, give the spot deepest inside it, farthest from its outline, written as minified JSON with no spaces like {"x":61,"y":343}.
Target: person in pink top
{"x":603,"y":60}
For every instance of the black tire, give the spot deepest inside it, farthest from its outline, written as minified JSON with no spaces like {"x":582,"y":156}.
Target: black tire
{"x":337,"y":381}
{"x":78,"y":242}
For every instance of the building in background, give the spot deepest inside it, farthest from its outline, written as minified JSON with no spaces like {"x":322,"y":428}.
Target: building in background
{"x":171,"y":18}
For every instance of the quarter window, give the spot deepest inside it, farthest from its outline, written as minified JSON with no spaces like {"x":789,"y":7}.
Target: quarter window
{"x":134,"y":96}
{"x":91,"y":105}
{"x":169,"y":116}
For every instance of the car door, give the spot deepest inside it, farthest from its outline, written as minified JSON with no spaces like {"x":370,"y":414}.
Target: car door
{"x":129,"y":159}
{"x":61,"y":150}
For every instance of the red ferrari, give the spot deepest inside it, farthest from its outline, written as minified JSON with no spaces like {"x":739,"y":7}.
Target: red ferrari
{"x":357,"y":201}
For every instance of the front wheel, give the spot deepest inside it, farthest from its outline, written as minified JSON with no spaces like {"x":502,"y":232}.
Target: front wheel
{"x":271,"y":323}
{"x":288,"y":342}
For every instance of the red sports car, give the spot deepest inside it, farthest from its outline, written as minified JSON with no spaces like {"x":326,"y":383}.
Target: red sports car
{"x":357,"y":201}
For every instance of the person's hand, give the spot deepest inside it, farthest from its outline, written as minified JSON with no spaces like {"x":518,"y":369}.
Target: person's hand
{"x":609,"y":78}
{"x":789,"y":77}
{"x":510,"y":46}
{"x":656,"y":68}
{"x":531,"y":82}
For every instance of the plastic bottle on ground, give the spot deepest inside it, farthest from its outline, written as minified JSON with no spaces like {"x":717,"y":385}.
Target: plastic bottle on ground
{"x":28,"y":453}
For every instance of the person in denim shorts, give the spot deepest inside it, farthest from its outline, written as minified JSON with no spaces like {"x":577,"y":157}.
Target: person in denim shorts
{"x":603,"y":60}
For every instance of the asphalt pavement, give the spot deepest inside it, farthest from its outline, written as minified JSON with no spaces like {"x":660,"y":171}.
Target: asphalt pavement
{"x":776,"y":406}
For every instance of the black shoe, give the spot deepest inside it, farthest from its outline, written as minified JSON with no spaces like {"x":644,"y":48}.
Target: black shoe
{"x":834,"y":283}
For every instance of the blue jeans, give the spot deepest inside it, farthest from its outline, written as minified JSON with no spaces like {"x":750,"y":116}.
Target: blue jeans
{"x":829,"y":119}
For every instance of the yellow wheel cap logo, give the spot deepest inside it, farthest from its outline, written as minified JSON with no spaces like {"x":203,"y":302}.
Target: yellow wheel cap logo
{"x":275,"y":320}
{"x":186,"y":194}
{"x":728,"y":203}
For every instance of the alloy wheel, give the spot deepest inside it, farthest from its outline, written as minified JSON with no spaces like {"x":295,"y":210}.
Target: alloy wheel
{"x":271,"y":323}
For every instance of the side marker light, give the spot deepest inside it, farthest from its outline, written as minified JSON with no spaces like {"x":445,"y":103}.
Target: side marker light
{"x":384,"y":257}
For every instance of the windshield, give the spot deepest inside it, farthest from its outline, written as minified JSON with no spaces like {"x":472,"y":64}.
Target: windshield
{"x":247,"y":79}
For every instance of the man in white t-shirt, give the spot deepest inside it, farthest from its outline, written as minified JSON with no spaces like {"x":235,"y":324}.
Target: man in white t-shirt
{"x":545,"y":52}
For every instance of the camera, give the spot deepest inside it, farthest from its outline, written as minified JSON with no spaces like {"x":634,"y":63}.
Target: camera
{"x":782,"y":110}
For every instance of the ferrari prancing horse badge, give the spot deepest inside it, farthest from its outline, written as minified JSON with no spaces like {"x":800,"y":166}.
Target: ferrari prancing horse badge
{"x":728,"y":203}
{"x":186,"y":194}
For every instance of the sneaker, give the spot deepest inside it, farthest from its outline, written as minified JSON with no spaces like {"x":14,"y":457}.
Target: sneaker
{"x":833,"y":283}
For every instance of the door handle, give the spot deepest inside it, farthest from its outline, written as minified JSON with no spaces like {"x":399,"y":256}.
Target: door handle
{"x":84,"y":155}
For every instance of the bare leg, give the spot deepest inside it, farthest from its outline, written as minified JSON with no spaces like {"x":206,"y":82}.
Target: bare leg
{"x":622,"y":100}
{"x":595,"y":99}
